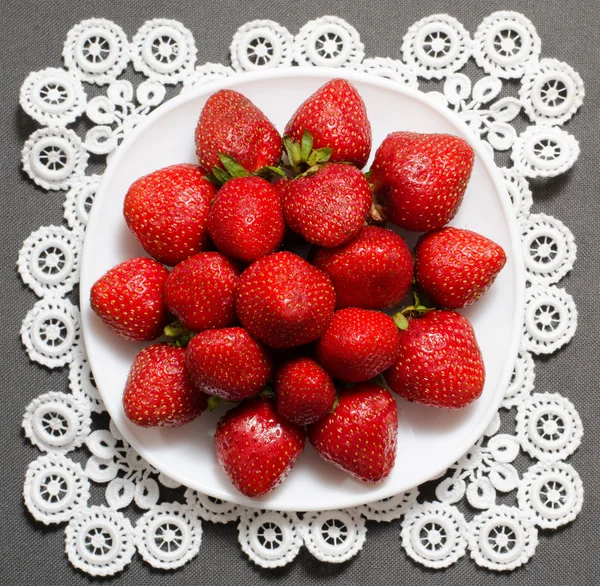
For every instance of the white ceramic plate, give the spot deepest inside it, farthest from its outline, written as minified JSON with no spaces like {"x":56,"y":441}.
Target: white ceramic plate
{"x":429,"y":440}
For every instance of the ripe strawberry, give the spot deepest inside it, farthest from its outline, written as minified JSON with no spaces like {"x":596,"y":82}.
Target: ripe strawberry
{"x":336,"y":117}
{"x":231,"y":124}
{"x":420,"y":179}
{"x":373,"y":270}
{"x":167,"y":211}
{"x":358,"y":345}
{"x":284,"y":301}
{"x":158,"y":392}
{"x":129,"y":299}
{"x":361,"y":434}
{"x":228,"y":363}
{"x":256,"y":447}
{"x":246,"y":219}
{"x":456,"y":267}
{"x":304,"y":391}
{"x":200,"y":291}
{"x":440,"y":363}
{"x":329,"y":206}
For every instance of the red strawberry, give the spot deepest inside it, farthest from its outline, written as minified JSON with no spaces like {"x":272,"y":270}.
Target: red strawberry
{"x":256,"y":447}
{"x":200,"y":291}
{"x":231,"y":124}
{"x":129,"y":299}
{"x":228,"y":363}
{"x":305,"y":392}
{"x":358,"y":345}
{"x":420,"y":179}
{"x":329,"y":206}
{"x":373,"y":270}
{"x":456,"y":267}
{"x":336,"y":117}
{"x":440,"y":363}
{"x":361,"y":434}
{"x":284,"y":301}
{"x":246,"y":219}
{"x":158,"y":392}
{"x":167,"y":211}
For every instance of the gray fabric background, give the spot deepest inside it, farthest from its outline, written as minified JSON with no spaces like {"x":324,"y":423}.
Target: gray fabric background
{"x":31,"y":38}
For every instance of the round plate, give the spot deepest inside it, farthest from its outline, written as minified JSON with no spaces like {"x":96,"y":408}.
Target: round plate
{"x":429,"y":439}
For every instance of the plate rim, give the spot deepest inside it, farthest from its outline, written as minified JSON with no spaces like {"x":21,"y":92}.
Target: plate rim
{"x":324,"y":73}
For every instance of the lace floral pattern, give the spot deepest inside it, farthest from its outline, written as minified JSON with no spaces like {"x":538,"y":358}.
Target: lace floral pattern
{"x":101,"y":540}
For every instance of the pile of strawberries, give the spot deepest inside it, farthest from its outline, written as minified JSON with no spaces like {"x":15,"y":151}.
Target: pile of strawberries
{"x":300,"y":345}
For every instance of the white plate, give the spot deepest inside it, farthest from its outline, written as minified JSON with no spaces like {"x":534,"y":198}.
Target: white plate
{"x":429,"y":440}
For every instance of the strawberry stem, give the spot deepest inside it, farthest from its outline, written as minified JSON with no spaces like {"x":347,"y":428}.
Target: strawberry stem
{"x":267,"y":392}
{"x":214,"y":402}
{"x":416,"y":309}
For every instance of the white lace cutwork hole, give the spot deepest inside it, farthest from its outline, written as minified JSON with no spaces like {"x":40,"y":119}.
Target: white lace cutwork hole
{"x":56,"y":422}
{"x":54,"y":158}
{"x":270,"y":539}
{"x":505,"y":43}
{"x":436,"y":46}
{"x":96,"y":51}
{"x":551,"y":91}
{"x":502,"y":538}
{"x":168,"y":536}
{"x":261,"y":44}
{"x":163,"y":50}
{"x":550,"y":319}
{"x":333,"y":536}
{"x":50,"y":332}
{"x":210,"y":508}
{"x":548,"y":426}
{"x":53,"y":97}
{"x":54,"y":488}
{"x":549,"y":248}
{"x":328,"y":41}
{"x":552,"y":492}
{"x":390,"y":508}
{"x":99,"y":541}
{"x":49,"y":260}
{"x":544,"y":151}
{"x":433,"y":534}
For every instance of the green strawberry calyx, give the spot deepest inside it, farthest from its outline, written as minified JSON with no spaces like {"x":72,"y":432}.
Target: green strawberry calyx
{"x":414,"y":310}
{"x":303,"y":160}
{"x":179,"y":334}
{"x":232,"y":169}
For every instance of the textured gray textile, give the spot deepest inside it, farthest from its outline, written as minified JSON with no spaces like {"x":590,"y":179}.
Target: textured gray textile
{"x":31,"y":39}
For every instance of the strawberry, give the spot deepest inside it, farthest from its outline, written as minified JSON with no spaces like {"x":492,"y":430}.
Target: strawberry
{"x":167,"y":211}
{"x":129,"y":299}
{"x":329,"y":206}
{"x":456,"y":267}
{"x":440,"y":363}
{"x":200,"y":291}
{"x":228,"y":363}
{"x":373,"y":270}
{"x":361,"y":434}
{"x":304,"y":391}
{"x":336,"y":117}
{"x":158,"y":392}
{"x":358,"y":345}
{"x":231,"y":124}
{"x":257,"y":447}
{"x":284,"y":301}
{"x":420,"y":179}
{"x":246,"y":219}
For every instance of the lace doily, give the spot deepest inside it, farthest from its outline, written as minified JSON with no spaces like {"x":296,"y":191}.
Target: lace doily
{"x":100,"y":538}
